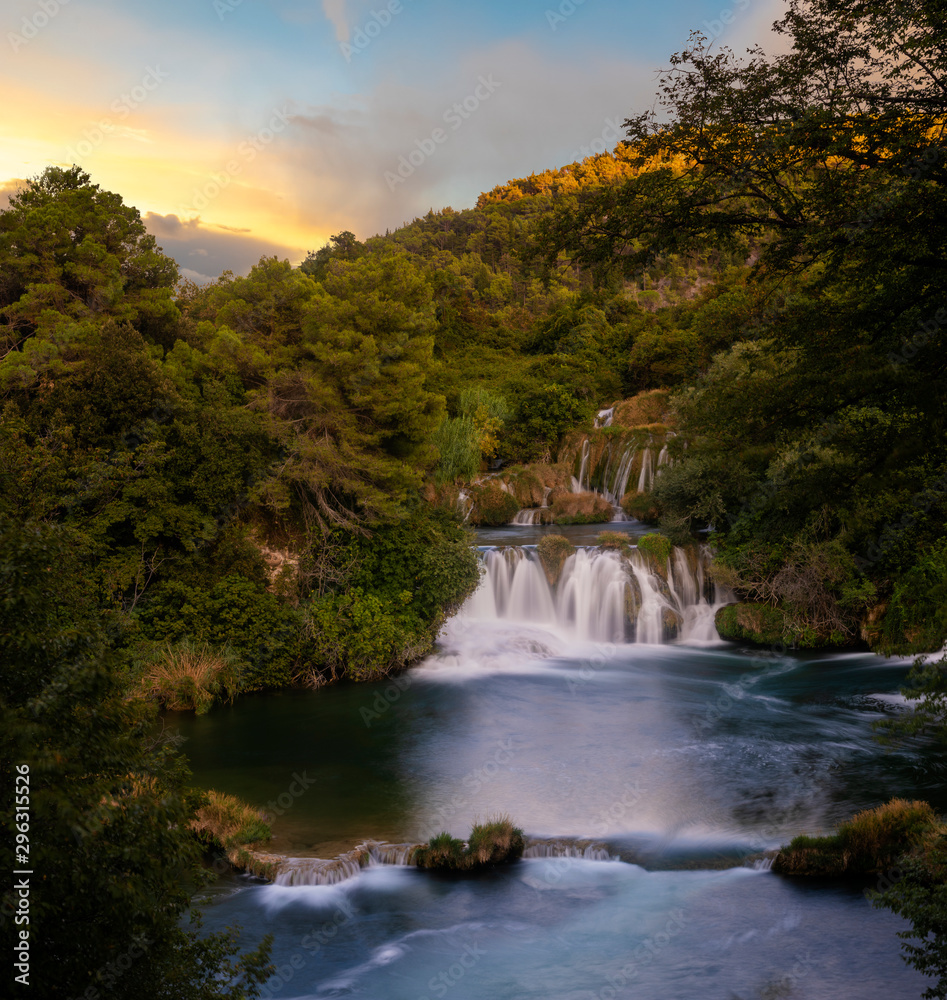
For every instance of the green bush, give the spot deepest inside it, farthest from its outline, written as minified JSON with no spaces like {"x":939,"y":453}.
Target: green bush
{"x":759,"y":623}
{"x":641,"y":506}
{"x":240,"y":614}
{"x":916,"y":621}
{"x":365,"y":637}
{"x":458,"y":445}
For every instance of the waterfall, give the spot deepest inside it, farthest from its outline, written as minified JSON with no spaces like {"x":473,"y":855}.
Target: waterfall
{"x":581,"y":484}
{"x":601,"y":595}
{"x":647,"y":476}
{"x":604,"y":417}
{"x":620,"y":483}
{"x":560,"y":848}
{"x":322,"y":871}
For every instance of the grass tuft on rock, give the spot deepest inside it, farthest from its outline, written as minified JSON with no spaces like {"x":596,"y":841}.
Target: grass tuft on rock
{"x":616,"y":541}
{"x":871,"y":841}
{"x":657,"y":548}
{"x":495,"y":842}
{"x":225,"y":821}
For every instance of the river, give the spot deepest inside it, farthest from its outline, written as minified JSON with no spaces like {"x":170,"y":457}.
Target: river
{"x":651,"y":773}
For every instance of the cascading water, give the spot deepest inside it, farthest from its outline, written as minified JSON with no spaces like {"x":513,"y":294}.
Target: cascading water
{"x":600,"y":595}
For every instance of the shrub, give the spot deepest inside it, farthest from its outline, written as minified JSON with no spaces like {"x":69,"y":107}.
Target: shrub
{"x":261,"y":630}
{"x":640,"y":506}
{"x":553,"y":551}
{"x":492,"y":505}
{"x":442,"y":851}
{"x":650,"y":407}
{"x":189,"y":677}
{"x":916,"y":621}
{"x":458,"y":443}
{"x":759,"y":623}
{"x":581,"y":508}
{"x":363,"y":636}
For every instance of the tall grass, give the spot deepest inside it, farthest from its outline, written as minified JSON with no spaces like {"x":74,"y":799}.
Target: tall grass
{"x":458,"y":442}
{"x":187,"y":676}
{"x":497,"y":841}
{"x":227,"y":822}
{"x":871,"y":841}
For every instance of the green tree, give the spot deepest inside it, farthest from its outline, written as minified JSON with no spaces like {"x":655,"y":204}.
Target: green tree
{"x":113,"y":858}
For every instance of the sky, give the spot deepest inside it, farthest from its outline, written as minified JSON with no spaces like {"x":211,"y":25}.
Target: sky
{"x":248,"y":128}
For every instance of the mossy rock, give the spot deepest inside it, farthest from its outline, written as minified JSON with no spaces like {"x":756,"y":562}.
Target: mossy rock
{"x":632,"y":600}
{"x":615,"y":541}
{"x":672,"y":624}
{"x":553,"y":551}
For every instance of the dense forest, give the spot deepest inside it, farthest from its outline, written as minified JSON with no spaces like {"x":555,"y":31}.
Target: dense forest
{"x":217,"y":489}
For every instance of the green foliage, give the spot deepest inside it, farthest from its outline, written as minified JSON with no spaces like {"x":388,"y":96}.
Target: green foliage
{"x":655,"y":547}
{"x":542,"y":414}
{"x":641,"y":506}
{"x":919,"y":895}
{"x":364,"y":637}
{"x":916,"y":621}
{"x":393,"y":592}
{"x":262,"y":632}
{"x":759,"y":623}
{"x":110,"y":802}
{"x":458,"y":445}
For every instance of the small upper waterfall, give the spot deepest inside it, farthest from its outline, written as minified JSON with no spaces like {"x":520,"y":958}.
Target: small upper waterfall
{"x":601,"y":595}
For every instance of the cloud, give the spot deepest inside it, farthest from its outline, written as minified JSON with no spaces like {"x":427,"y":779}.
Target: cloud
{"x":217,"y":248}
{"x":335,"y":11}
{"x":374,"y":160}
{"x":8,"y":189}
